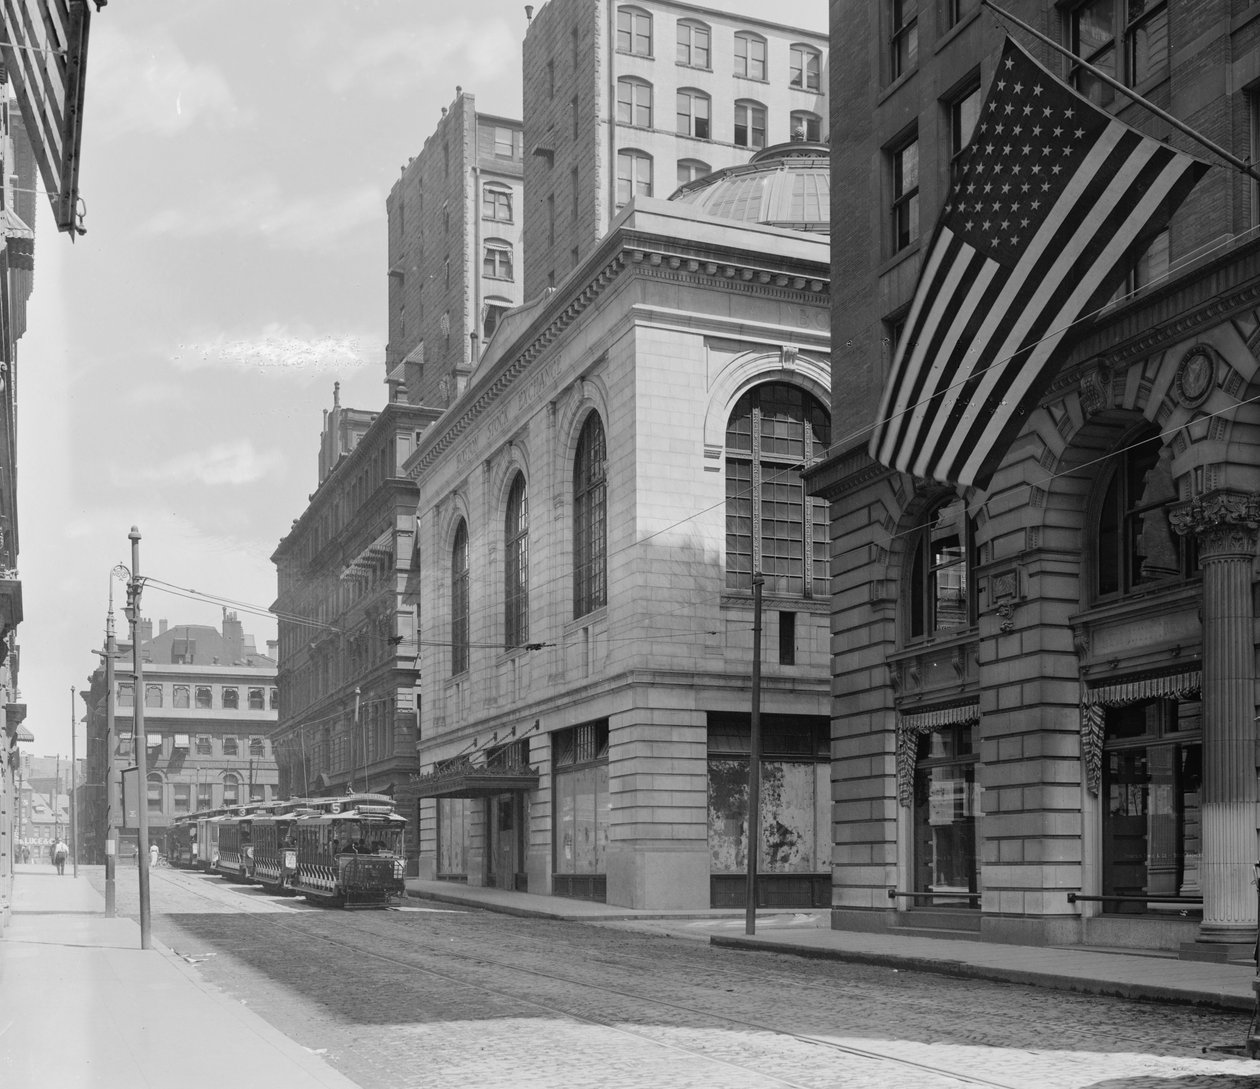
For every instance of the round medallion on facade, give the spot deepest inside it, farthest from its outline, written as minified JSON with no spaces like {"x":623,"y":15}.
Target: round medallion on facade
{"x":1196,"y":376}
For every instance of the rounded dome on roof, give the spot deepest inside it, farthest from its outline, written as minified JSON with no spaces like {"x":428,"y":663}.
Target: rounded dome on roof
{"x":787,"y":185}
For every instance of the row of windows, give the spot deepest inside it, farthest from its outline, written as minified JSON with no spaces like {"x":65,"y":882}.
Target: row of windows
{"x":202,"y":745}
{"x":693,"y":114}
{"x":773,"y":527}
{"x":694,"y":49}
{"x":231,"y":792}
{"x":200,"y":696}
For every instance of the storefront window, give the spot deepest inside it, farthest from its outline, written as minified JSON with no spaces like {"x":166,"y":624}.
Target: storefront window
{"x":582,"y":806}
{"x":1152,"y":777}
{"x":946,"y":805}
{"x":452,"y":822}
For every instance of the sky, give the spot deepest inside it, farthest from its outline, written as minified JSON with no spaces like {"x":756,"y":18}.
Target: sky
{"x":179,"y":356}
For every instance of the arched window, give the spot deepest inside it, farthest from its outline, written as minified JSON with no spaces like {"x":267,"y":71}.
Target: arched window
{"x":693,"y":43}
{"x":156,"y":792}
{"x":496,"y":203}
{"x":634,"y":175}
{"x":750,"y":124}
{"x":805,"y":66}
{"x":691,"y":169}
{"x":693,"y":113}
{"x":941,"y":597}
{"x":772,"y":526}
{"x":750,"y":55}
{"x":634,"y":31}
{"x":496,"y":262}
{"x":805,"y":125}
{"x":459,"y":601}
{"x":516,"y":566}
{"x":590,"y":500}
{"x":634,"y":102}
{"x":231,"y":788}
{"x":1135,"y":544}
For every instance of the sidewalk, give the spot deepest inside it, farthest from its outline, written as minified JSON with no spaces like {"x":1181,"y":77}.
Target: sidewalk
{"x":85,"y":1008}
{"x":1125,"y":974}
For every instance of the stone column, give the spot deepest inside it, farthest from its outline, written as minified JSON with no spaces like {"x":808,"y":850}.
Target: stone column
{"x":1225,"y":525}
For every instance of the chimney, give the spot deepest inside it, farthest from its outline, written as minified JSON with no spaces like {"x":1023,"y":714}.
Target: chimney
{"x":161,"y":627}
{"x":233,"y":638}
{"x":144,"y":630}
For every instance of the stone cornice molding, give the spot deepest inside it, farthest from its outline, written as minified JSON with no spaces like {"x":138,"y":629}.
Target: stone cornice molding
{"x":746,"y":271}
{"x":844,"y":472}
{"x":1225,"y":524}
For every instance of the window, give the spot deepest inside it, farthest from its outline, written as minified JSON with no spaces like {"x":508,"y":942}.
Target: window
{"x":551,"y":219}
{"x":805,"y":125}
{"x":231,"y":788}
{"x":204,"y":746}
{"x":905,"y":194}
{"x":575,"y":191}
{"x":497,"y":203}
{"x":693,"y":114}
{"x":231,"y":699}
{"x":205,"y":796}
{"x":783,"y":532}
{"x":1135,"y":543}
{"x":155,"y":793}
{"x":634,"y":103}
{"x":494,"y":311}
{"x":634,"y":175}
{"x":256,"y":747}
{"x":693,"y":43}
{"x":582,"y":806}
{"x":691,"y":169}
{"x":181,"y":798}
{"x":964,"y":111}
{"x":257,"y":700}
{"x":516,"y":566}
{"x":153,"y":695}
{"x":941,"y":597}
{"x":496,"y":261}
{"x":750,"y":55}
{"x":126,"y":695}
{"x":805,"y":67}
{"x":1145,"y":40}
{"x":787,"y":638}
{"x":179,"y":695}
{"x":204,"y":697}
{"x":750,"y":124}
{"x":231,"y":747}
{"x":904,"y":53}
{"x":257,"y":792}
{"x":573,"y":115}
{"x":634,"y":32}
{"x":590,"y":498}
{"x":946,"y":808}
{"x":275,"y":699}
{"x":459,"y":601}
{"x":508,"y":143}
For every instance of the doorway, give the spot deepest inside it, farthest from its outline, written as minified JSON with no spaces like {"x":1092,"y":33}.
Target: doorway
{"x":505,"y":819}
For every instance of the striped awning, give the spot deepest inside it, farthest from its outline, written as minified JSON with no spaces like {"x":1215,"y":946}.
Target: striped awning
{"x":1168,"y":686}
{"x":934,"y":719}
{"x":361,"y":565}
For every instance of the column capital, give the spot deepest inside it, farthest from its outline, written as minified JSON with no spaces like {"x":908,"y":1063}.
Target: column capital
{"x":1225,"y":523}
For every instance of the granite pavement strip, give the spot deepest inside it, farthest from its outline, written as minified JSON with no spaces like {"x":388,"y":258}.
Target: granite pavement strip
{"x":82,"y":1006}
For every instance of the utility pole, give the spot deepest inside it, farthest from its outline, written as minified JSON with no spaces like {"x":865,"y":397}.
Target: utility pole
{"x":111,"y":789}
{"x":74,"y":802}
{"x":134,"y":587}
{"x":754,"y":765}
{"x":56,"y":803}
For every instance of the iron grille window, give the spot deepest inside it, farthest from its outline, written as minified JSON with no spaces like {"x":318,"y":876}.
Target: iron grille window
{"x":590,"y":498}
{"x":516,"y":566}
{"x":459,"y":601}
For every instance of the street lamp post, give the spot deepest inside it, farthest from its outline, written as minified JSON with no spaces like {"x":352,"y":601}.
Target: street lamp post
{"x":74,"y":801}
{"x":111,"y":785}
{"x":134,"y":587}
{"x":754,"y":766}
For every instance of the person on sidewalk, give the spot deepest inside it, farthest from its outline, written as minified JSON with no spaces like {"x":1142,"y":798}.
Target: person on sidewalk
{"x":153,"y":855}
{"x":60,"y":853}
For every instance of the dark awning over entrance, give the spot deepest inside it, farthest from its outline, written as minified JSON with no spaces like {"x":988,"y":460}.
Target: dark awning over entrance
{"x":463,"y":779}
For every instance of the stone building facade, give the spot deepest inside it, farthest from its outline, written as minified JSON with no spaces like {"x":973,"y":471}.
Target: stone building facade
{"x":634,"y":99}
{"x":1044,"y":690}
{"x":589,"y":533}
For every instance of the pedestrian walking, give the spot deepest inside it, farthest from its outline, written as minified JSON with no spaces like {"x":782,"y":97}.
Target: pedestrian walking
{"x":60,"y":853}
{"x":153,"y":855}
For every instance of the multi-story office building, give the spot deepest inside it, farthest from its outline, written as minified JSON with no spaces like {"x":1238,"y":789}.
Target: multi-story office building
{"x":348,"y":657}
{"x":210,"y":706}
{"x":1044,"y":722}
{"x":591,"y":513}
{"x":635,"y":99}
{"x":454,"y":251}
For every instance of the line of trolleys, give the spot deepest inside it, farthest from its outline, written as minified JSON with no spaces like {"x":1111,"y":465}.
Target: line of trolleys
{"x":344,"y":851}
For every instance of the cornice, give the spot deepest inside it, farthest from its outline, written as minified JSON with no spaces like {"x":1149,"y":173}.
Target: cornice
{"x":843,"y":472}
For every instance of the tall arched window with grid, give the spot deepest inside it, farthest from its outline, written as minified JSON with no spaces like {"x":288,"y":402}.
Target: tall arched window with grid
{"x":459,"y":601}
{"x":590,"y":500}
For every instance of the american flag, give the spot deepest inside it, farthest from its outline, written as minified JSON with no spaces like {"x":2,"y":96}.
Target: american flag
{"x":1052,"y":203}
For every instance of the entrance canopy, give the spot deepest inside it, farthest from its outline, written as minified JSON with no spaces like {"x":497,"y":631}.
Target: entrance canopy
{"x":463,"y":779}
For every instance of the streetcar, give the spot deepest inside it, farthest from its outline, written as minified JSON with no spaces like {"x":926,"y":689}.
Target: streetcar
{"x":350,"y":851}
{"x":208,"y":825}
{"x":181,"y":841}
{"x":275,"y":846}
{"x":236,"y":842}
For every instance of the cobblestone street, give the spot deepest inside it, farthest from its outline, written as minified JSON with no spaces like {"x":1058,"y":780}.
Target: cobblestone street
{"x":435,"y":996}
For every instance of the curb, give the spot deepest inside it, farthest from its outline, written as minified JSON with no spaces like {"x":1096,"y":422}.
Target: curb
{"x":1145,"y":992}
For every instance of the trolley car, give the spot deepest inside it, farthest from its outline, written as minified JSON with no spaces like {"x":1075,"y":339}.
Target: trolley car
{"x":275,"y":847}
{"x":181,"y":841}
{"x":236,"y":842}
{"x":350,"y":851}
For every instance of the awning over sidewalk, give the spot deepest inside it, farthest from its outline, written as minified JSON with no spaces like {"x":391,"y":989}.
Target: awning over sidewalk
{"x":463,"y":779}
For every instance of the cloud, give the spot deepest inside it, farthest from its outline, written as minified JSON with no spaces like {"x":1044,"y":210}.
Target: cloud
{"x":262,"y":210}
{"x":277,"y":349}
{"x":229,"y":463}
{"x":143,"y":83}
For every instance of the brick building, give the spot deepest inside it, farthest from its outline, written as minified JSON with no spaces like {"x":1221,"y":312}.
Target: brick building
{"x":589,"y":535}
{"x":1045,"y":688}
{"x":635,"y":99}
{"x":454,"y":221}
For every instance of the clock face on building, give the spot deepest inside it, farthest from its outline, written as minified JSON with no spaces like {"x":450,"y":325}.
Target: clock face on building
{"x":1196,"y":377}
